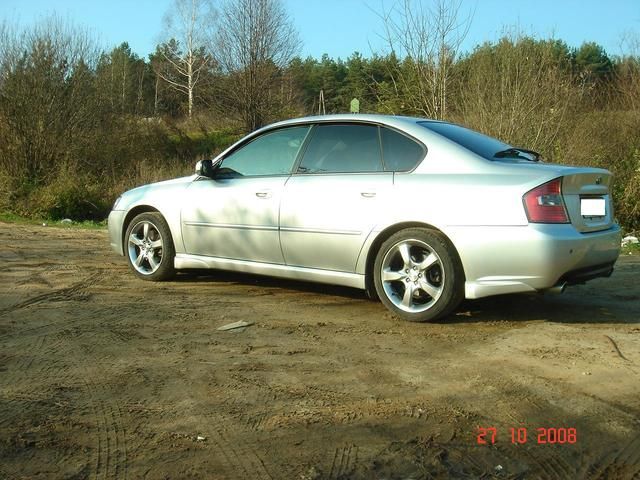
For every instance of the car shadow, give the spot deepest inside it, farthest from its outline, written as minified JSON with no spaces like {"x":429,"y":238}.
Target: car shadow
{"x":239,"y":278}
{"x":569,"y":307}
{"x":600,"y":301}
{"x":614,"y":300}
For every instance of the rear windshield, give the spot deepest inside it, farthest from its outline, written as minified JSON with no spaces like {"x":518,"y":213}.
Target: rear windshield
{"x":478,"y":143}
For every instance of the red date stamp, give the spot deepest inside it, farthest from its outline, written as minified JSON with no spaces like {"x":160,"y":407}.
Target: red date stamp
{"x":522,"y":435}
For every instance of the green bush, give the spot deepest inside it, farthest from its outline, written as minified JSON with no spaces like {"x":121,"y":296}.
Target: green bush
{"x":69,"y":196}
{"x":6,"y":190}
{"x":200,"y":144}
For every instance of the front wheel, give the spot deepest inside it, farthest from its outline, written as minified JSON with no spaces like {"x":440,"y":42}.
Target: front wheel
{"x":418,"y":275}
{"x":149,"y":247}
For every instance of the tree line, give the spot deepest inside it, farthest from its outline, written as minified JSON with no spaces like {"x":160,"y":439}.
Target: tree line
{"x":78,"y":124}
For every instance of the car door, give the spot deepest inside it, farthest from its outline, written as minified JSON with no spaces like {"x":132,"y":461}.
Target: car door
{"x":235,"y":214}
{"x":331,"y":204}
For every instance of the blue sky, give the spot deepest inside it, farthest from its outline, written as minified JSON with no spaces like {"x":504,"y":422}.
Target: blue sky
{"x":340,"y":27}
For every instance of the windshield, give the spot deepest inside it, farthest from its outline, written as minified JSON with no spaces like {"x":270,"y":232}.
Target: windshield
{"x":478,"y":143}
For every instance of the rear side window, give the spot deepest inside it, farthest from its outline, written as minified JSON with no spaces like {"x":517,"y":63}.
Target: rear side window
{"x":477,"y":142}
{"x":401,"y":154}
{"x":342,"y":149}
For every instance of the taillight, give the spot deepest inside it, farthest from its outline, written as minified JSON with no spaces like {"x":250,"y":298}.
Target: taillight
{"x":544,"y":204}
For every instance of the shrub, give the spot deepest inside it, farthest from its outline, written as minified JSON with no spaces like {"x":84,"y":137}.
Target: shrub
{"x":69,"y":196}
{"x":611,"y":140}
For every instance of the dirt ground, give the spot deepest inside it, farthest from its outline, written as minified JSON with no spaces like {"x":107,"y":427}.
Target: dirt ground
{"x":106,"y":376}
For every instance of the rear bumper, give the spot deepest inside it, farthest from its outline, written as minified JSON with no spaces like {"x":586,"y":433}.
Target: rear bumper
{"x":582,"y":275}
{"x":114,"y":223}
{"x":535,"y":257}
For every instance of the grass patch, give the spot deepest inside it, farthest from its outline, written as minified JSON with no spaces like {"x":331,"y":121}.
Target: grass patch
{"x":199,"y":144}
{"x":631,"y":249}
{"x":8,"y":217}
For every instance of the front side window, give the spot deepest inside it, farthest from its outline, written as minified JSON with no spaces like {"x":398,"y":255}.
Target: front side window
{"x":272,"y":153}
{"x":401,"y":154}
{"x":342,"y":149}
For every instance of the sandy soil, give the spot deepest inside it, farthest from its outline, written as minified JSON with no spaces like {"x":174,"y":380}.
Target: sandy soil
{"x":105,"y":376}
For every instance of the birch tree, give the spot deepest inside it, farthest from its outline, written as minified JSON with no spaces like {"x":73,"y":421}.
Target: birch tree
{"x":122,"y":78}
{"x":189,"y":25}
{"x":429,"y":40}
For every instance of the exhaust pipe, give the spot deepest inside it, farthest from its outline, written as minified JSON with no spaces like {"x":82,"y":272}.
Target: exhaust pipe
{"x":559,"y":288}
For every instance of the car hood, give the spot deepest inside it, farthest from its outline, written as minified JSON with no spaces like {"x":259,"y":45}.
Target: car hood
{"x":156,"y":194}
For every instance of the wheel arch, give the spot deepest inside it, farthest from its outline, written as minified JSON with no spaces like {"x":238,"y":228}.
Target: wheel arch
{"x":131,"y":214}
{"x":384,"y":235}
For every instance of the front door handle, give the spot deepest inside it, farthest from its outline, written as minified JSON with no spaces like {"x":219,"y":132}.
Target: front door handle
{"x":263,"y":194}
{"x":368,"y":194}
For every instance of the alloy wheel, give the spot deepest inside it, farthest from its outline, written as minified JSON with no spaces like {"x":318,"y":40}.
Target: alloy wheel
{"x":412,"y":275}
{"x":145,"y":247}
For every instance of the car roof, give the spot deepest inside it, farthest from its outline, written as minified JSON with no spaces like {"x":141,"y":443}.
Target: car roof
{"x":405,"y":124}
{"x":440,"y":146}
{"x":391,"y":120}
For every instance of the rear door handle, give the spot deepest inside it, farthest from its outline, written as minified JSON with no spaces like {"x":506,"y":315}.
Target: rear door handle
{"x":263,"y":194}
{"x":368,"y":194}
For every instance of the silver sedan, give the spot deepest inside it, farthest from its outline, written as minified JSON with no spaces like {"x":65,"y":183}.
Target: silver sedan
{"x":416,"y":212}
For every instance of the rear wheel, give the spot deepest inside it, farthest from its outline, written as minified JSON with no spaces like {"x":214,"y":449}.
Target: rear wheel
{"x":418,"y":275}
{"x":149,"y":247}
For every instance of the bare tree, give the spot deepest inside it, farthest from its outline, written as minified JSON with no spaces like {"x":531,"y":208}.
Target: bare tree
{"x":120,"y":76}
{"x":47,"y":102}
{"x":255,"y":41}
{"x":520,"y":90}
{"x":627,"y":72}
{"x":189,"y":25}
{"x":429,"y":40}
{"x":9,"y":49}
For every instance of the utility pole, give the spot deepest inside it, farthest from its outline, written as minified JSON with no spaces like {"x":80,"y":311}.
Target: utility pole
{"x":321,"y":109}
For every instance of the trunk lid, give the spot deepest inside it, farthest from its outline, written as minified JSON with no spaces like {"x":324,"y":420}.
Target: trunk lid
{"x":587,"y":197}
{"x":586,"y":191}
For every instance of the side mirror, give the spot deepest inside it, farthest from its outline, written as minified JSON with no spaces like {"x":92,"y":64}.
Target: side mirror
{"x":205,"y":168}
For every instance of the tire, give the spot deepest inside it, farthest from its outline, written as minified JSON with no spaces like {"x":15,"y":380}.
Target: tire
{"x":149,"y":248}
{"x":418,"y":275}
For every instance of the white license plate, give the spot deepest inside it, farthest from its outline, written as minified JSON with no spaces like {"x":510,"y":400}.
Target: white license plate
{"x":592,"y":207}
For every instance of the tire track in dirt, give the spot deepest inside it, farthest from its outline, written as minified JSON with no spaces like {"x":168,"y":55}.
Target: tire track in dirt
{"x":465,"y":454}
{"x":315,"y":404}
{"x":345,"y":460}
{"x":256,"y":422}
{"x":40,"y":276}
{"x":621,"y":463}
{"x":549,"y":464}
{"x":319,"y":405}
{"x":77,"y":291}
{"x":66,"y":323}
{"x":35,"y":346}
{"x":110,"y":458}
{"x":35,"y":278}
{"x":347,"y":412}
{"x":30,"y":365}
{"x":23,"y":361}
{"x":240,"y":458}
{"x":69,"y":364}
